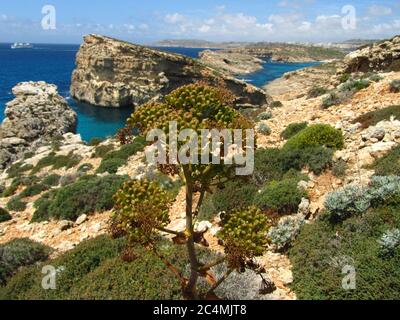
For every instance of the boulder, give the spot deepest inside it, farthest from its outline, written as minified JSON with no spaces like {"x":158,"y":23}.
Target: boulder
{"x":113,"y":73}
{"x":34,"y":117}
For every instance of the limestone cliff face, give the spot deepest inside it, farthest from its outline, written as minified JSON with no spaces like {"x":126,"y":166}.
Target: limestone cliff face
{"x":113,"y":73}
{"x":381,"y":56}
{"x":36,"y":115}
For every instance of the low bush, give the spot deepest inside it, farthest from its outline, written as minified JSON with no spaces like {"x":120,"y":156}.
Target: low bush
{"x":267,"y":165}
{"x":344,"y":77}
{"x":34,"y":190}
{"x":51,"y":180}
{"x":85,"y":196}
{"x":293,"y":129}
{"x":4,"y":215}
{"x":389,"y":242}
{"x":84,"y":168}
{"x":16,"y":204}
{"x":264,"y":115}
{"x":354,"y":86}
{"x":331,"y":100}
{"x":317,"y":159}
{"x":115,"y":159}
{"x":395,"y":86}
{"x":207,"y":209}
{"x":282,"y":196}
{"x":322,"y":252}
{"x":339,"y":168}
{"x":276,"y":104}
{"x":374,"y":117}
{"x":264,"y":129}
{"x":102,"y":150}
{"x":18,"y":253}
{"x":17,"y":169}
{"x":57,"y":162}
{"x":18,"y":182}
{"x":236,"y":194}
{"x":95,"y":141}
{"x":282,"y":235}
{"x":94,"y":270}
{"x":316,"y":135}
{"x":355,"y":200}
{"x":315,"y":92}
{"x":389,"y":165}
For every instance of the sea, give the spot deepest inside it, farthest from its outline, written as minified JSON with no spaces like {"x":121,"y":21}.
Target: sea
{"x":54,"y":64}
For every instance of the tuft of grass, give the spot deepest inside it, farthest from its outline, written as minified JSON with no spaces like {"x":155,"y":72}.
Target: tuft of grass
{"x":316,"y":91}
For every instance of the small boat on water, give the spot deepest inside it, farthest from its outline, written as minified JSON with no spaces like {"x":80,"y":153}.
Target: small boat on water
{"x":22,"y":45}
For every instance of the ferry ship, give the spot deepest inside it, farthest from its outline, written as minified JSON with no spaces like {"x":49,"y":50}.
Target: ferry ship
{"x":21,"y":45}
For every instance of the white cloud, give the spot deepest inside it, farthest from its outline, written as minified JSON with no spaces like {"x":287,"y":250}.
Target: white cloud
{"x":305,"y":26}
{"x":378,"y":10}
{"x":174,"y":18}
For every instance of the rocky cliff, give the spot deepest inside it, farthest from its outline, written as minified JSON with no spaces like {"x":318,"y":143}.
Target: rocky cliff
{"x":231,"y":63}
{"x":113,"y":73}
{"x":36,"y":115}
{"x":380,"y":56}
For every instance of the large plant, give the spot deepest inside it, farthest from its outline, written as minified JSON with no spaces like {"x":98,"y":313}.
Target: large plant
{"x":142,"y":207}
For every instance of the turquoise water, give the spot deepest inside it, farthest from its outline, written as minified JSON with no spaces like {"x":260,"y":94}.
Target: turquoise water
{"x":55,"y":63}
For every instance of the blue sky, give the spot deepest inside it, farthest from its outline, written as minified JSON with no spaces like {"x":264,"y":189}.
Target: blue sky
{"x":234,"y":20}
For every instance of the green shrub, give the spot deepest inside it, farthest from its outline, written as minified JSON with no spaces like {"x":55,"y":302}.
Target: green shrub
{"x":355,"y":200}
{"x":395,"y":86}
{"x":51,"y":180}
{"x":18,"y":182}
{"x":374,"y":117}
{"x":57,"y":162}
{"x":316,"y":135}
{"x":339,"y":168}
{"x":84,"y":168}
{"x":4,"y":215}
{"x":95,"y":141}
{"x":115,"y":159}
{"x":264,"y":129}
{"x":267,"y":165}
{"x":344,"y":77}
{"x":389,"y":165}
{"x":316,"y":159}
{"x":236,"y":194}
{"x":34,"y":190}
{"x":317,"y":91}
{"x":282,"y":196}
{"x":354,"y":85}
{"x":207,"y":209}
{"x":18,"y":253}
{"x":94,"y":270}
{"x":85,"y":196}
{"x":17,"y":169}
{"x":264,"y":115}
{"x":102,"y":150}
{"x":331,"y":100}
{"x":375,"y":77}
{"x":390,"y":241}
{"x":276,"y":104}
{"x":110,"y":165}
{"x":288,"y":228}
{"x":322,"y":250}
{"x":293,"y":129}
{"x":15,"y":204}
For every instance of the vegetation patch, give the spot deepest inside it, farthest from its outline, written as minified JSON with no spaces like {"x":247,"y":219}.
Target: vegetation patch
{"x":4,"y":215}
{"x":57,"y":162}
{"x":389,"y":165}
{"x":115,"y":159}
{"x":293,"y":129}
{"x":16,"y":204}
{"x":18,"y":253}
{"x":323,"y":251}
{"x":282,"y":196}
{"x":264,"y":129}
{"x":316,"y":91}
{"x":374,"y":117}
{"x":95,"y":270}
{"x":85,"y":196}
{"x":395,"y":86}
{"x":317,"y":135}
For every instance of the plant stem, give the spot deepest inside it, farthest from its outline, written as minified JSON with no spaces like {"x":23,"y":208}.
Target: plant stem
{"x":213,"y":264}
{"x":190,"y":289}
{"x":218,"y":283}
{"x":177,"y":233}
